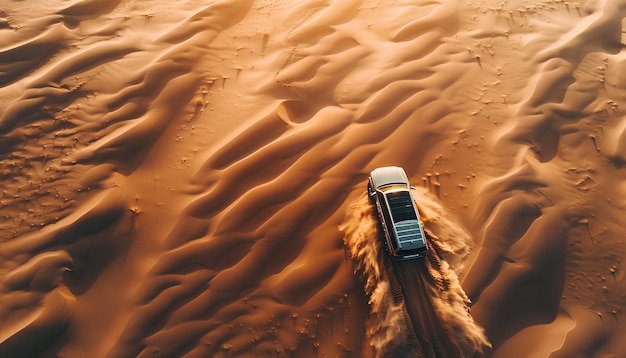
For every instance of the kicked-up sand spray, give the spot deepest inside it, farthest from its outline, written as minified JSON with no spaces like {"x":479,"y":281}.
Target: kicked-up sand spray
{"x":389,"y":325}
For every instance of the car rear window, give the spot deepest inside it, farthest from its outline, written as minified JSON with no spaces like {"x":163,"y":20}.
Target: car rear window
{"x":401,"y":206}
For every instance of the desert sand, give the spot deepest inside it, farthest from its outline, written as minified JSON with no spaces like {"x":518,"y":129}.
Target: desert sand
{"x":186,"y":178}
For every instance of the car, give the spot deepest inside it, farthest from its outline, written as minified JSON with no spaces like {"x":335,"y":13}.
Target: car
{"x":389,"y":190}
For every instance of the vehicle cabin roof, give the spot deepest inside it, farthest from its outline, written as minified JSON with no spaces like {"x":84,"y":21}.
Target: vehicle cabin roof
{"x":387,"y":176}
{"x":401,"y":206}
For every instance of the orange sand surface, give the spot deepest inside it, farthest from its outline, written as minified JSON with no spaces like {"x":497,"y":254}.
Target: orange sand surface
{"x":175,"y":174}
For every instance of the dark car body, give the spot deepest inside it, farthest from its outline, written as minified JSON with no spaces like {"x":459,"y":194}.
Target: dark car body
{"x":389,"y":190}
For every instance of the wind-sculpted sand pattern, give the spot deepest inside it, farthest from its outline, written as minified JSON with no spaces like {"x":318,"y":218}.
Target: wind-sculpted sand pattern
{"x":174,"y":173}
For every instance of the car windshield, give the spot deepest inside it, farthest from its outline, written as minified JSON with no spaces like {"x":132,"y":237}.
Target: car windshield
{"x":392,"y":187}
{"x":401,"y":206}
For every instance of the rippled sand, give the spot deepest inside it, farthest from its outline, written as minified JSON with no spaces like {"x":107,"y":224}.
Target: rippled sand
{"x":174,"y":173}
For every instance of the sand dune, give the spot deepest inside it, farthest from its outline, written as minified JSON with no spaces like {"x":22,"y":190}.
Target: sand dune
{"x":174,"y":173}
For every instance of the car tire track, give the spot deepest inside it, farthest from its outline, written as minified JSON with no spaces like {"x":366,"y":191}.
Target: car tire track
{"x":432,"y":337}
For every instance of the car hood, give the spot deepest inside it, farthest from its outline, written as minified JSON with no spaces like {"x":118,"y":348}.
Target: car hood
{"x":389,"y":176}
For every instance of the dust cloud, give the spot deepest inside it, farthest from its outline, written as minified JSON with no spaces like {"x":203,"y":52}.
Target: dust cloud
{"x":387,"y":324}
